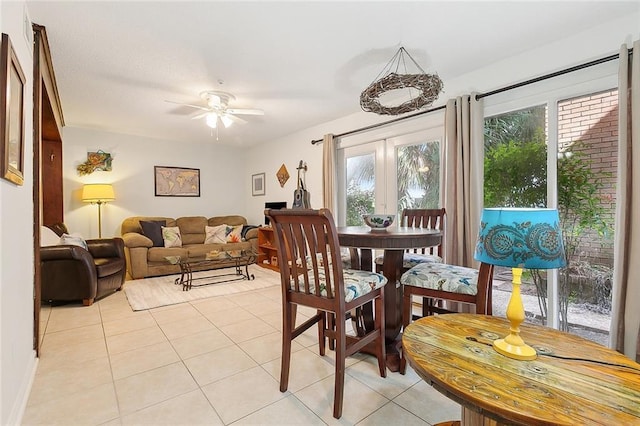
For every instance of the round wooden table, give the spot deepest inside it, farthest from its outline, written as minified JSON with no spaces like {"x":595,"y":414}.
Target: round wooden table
{"x":591,"y":385}
{"x":394,"y":241}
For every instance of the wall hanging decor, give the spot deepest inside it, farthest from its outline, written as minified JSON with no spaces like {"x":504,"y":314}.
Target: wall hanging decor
{"x":301,"y":197}
{"x":257,"y":184}
{"x":176,"y":181}
{"x":11,"y":114}
{"x":96,"y":161}
{"x":428,"y":87}
{"x":282,"y":175}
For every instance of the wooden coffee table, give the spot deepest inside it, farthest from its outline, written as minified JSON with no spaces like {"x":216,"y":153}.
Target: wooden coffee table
{"x":240,"y":265}
{"x":572,"y":382}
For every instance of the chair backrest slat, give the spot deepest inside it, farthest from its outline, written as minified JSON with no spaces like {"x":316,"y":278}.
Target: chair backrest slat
{"x":426,"y":218}
{"x":308,"y":250}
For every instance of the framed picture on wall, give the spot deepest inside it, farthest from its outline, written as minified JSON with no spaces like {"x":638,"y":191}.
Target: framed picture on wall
{"x":176,"y":181}
{"x":12,"y":112}
{"x":257,"y":184}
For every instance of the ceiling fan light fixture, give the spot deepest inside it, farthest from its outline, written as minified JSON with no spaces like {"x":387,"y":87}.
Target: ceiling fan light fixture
{"x":226,"y":120}
{"x":212,"y":120}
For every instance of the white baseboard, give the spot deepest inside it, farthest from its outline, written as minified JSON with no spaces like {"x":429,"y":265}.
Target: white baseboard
{"x":20,"y":405}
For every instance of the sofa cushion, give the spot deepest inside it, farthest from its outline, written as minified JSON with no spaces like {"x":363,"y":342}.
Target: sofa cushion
{"x":192,"y":229}
{"x":215,"y":234}
{"x":232,"y":220}
{"x":199,"y":251}
{"x":108,"y":266}
{"x":159,"y":254}
{"x":171,"y":236}
{"x":152,"y":229}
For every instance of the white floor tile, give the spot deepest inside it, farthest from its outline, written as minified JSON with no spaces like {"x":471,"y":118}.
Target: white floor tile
{"x":212,"y":361}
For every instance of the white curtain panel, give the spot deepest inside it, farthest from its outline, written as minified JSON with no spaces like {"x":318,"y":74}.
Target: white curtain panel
{"x":625,"y":316}
{"x":329,"y":194}
{"x":463,"y":173}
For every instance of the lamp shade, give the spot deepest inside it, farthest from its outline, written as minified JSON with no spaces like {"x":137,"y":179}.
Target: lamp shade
{"x":97,"y":192}
{"x":520,"y":237}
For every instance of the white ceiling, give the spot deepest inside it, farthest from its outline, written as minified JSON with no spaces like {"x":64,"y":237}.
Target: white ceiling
{"x":303,"y":63}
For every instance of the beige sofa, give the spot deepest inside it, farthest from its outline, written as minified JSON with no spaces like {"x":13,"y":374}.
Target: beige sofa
{"x":145,"y":260}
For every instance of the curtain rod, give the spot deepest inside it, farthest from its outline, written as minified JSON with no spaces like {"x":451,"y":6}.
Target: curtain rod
{"x":484,"y":95}
{"x":384,"y":123}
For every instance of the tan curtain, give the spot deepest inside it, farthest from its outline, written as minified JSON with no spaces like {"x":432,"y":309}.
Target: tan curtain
{"x":625,"y":316}
{"x":329,"y":195}
{"x":463,"y":177}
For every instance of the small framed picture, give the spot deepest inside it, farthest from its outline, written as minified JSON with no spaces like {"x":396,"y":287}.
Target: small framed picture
{"x":257,"y":184}
{"x":12,"y":82}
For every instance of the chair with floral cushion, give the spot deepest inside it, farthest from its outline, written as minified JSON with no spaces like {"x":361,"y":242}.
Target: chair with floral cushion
{"x":312,"y":275}
{"x":421,"y":218}
{"x":444,"y":282}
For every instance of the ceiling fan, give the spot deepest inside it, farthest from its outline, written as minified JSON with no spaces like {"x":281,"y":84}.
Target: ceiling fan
{"x":218,"y":109}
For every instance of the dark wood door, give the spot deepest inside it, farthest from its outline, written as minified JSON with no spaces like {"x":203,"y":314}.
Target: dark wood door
{"x":52,"y":210}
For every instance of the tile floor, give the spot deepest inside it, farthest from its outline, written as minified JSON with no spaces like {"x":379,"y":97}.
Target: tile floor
{"x":213,"y":361}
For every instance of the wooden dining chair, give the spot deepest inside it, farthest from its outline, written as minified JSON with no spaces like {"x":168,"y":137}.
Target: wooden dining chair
{"x":420,"y":218}
{"x":442,"y":282}
{"x":311,"y":274}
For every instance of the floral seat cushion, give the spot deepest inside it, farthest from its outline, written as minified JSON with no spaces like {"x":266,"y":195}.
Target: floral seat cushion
{"x":443,"y":277}
{"x":356,"y":283}
{"x":412,"y":259}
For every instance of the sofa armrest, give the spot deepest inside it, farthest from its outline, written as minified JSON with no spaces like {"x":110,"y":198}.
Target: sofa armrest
{"x":106,"y":247}
{"x":251,"y":234}
{"x":133,"y":240}
{"x":67,"y":252}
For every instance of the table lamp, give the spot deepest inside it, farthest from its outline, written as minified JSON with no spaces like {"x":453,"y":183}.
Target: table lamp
{"x":519,"y":238}
{"x":98,"y":193}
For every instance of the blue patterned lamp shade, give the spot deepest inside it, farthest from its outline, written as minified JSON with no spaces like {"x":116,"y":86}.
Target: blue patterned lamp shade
{"x":520,"y":237}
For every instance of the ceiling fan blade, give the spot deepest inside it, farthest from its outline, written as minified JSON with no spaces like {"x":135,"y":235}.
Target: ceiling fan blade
{"x":201,"y":115}
{"x":243,"y":111}
{"x":236,"y":119}
{"x":189,"y":105}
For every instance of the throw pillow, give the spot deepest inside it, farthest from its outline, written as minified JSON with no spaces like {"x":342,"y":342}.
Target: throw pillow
{"x":171,"y":236}
{"x":152,"y":229}
{"x":215,"y":234}
{"x":234,"y":234}
{"x":74,"y":240}
{"x":48,"y":237}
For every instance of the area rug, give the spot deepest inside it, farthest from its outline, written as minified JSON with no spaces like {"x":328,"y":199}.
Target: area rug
{"x":154,"y":292}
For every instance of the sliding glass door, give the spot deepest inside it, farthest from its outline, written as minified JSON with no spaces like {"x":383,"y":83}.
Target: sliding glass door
{"x":561,"y":154}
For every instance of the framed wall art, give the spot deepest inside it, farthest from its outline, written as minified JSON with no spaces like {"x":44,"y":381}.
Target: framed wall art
{"x":176,"y":181}
{"x":257,"y":184}
{"x":12,"y":113}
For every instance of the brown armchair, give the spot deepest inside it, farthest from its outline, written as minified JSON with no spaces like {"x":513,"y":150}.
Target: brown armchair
{"x":70,"y":272}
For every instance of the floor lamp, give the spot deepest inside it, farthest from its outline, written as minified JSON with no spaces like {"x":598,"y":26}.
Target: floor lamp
{"x":98,"y":193}
{"x":519,"y":238}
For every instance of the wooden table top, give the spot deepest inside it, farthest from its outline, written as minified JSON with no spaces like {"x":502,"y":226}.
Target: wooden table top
{"x":548,"y":390}
{"x":398,"y":238}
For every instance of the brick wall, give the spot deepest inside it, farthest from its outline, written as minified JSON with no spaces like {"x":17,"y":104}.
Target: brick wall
{"x":593,"y":120}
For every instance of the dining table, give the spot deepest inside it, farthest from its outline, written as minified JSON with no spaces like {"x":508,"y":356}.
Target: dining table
{"x":394,"y":240}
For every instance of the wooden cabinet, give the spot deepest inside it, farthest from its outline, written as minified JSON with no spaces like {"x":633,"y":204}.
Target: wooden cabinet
{"x":267,"y":252}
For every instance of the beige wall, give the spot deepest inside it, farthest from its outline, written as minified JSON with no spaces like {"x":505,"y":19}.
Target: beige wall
{"x":17,"y":358}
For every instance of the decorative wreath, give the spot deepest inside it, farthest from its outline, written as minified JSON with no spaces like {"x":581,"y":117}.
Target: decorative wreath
{"x":429,"y":85}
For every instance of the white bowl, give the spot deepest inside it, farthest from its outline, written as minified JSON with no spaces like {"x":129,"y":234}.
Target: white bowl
{"x":378,"y":221}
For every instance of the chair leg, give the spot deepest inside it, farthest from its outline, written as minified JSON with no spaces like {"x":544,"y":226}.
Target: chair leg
{"x":87,"y":302}
{"x":381,"y":343}
{"x":341,"y":346}
{"x":322,"y":327}
{"x":287,"y":326}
